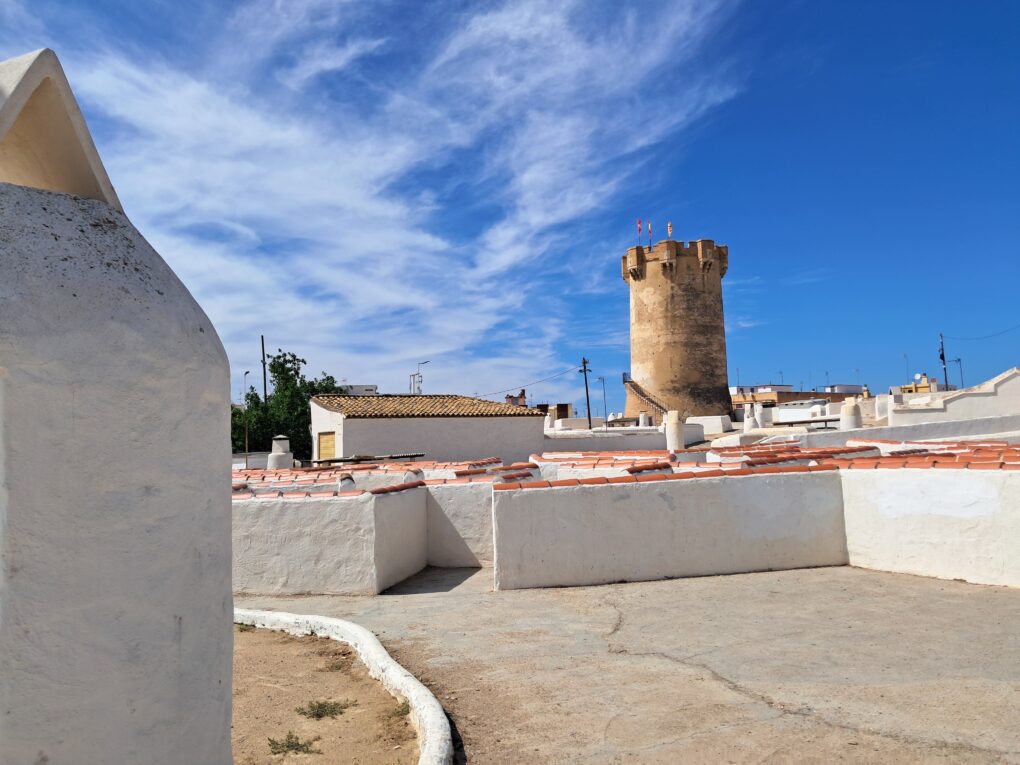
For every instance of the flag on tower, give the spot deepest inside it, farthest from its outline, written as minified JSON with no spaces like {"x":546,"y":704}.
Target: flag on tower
{"x":649,"y":234}
{"x":639,"y":227}
{"x":669,"y":229}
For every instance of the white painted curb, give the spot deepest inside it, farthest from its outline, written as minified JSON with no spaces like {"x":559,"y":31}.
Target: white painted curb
{"x":435,"y":742}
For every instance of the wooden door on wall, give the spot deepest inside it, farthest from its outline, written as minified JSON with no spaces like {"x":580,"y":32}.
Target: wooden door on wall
{"x":327,"y":446}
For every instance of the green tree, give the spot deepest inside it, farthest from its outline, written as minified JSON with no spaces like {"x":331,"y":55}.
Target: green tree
{"x":286,"y":412}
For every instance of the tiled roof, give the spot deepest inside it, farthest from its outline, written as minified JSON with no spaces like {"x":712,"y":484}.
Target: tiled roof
{"x":420,"y":406}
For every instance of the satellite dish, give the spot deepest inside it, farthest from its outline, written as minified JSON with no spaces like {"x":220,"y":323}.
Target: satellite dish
{"x":917,"y":375}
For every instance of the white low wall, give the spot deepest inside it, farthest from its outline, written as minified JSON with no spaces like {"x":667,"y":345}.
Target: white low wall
{"x":715,"y":423}
{"x":333,"y":546}
{"x":610,"y":440}
{"x":996,"y":397}
{"x":401,"y":536}
{"x":921,"y":432}
{"x":950,"y":524}
{"x":296,"y":546}
{"x":256,"y":461}
{"x":460,"y":525}
{"x":586,"y":535}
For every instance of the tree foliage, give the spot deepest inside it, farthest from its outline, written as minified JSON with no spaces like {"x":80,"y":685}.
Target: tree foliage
{"x":286,"y":412}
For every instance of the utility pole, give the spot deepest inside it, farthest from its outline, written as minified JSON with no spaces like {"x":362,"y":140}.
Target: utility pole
{"x":942,"y":358}
{"x":265,"y":378}
{"x":587,"y":398}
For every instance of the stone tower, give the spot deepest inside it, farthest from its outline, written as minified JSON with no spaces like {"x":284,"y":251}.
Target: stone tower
{"x":677,"y":333}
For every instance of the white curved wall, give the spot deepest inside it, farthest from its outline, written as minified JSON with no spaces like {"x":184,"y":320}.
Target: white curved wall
{"x":115,"y":605}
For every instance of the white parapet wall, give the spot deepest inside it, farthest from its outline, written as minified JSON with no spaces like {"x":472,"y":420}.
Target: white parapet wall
{"x":925,"y":431}
{"x":620,"y":439}
{"x":993,"y":398}
{"x":712,"y":424}
{"x":401,"y":536}
{"x":585,"y":535}
{"x":950,"y":524}
{"x":338,"y":545}
{"x":460,"y":525}
{"x":294,"y":546}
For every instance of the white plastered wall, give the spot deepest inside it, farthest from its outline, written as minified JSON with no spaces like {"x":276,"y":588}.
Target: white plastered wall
{"x":445,"y":439}
{"x":294,"y":546}
{"x":950,"y":524}
{"x":997,"y":397}
{"x":401,"y":536}
{"x":335,"y":546}
{"x":326,"y":421}
{"x":640,"y":531}
{"x":115,"y":607}
{"x":460,"y":525}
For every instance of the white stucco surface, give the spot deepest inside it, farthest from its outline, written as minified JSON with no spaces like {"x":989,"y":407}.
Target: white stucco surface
{"x":401,"y":536}
{"x":951,"y":524}
{"x":115,"y":607}
{"x":996,"y":397}
{"x":598,"y":534}
{"x":460,"y":525}
{"x":612,"y":440}
{"x":444,"y":439}
{"x":335,"y":545}
{"x":983,"y":426}
{"x":717,"y":423}
{"x":294,"y":546}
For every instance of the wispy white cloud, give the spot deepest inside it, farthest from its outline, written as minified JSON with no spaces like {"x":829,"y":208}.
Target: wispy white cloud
{"x":296,"y":212}
{"x":326,"y":57}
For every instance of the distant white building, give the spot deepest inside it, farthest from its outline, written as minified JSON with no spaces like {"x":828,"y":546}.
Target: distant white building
{"x":446,"y":428}
{"x":850,"y":390}
{"x":767,"y":388}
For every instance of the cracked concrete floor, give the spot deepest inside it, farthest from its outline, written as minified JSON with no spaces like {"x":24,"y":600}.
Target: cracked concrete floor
{"x":813,"y":665}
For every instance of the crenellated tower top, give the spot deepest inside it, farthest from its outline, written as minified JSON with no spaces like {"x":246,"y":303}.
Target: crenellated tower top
{"x":669,"y":255}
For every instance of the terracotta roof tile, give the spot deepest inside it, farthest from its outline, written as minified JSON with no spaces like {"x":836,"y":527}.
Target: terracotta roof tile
{"x":420,"y":406}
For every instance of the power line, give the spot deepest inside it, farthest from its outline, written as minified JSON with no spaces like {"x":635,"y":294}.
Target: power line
{"x":984,"y":337}
{"x":528,"y":385}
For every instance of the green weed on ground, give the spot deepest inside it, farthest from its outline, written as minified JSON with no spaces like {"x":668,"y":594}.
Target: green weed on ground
{"x":293,"y":744}
{"x":319,"y":709}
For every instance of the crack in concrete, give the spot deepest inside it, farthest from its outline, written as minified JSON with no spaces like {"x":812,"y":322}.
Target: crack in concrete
{"x":782,"y":709}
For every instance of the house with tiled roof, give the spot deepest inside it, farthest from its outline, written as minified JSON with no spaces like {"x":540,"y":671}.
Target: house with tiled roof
{"x":444,"y":427}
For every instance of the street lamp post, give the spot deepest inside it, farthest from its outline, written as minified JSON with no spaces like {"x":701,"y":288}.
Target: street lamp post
{"x":605,"y":409}
{"x":245,"y":400}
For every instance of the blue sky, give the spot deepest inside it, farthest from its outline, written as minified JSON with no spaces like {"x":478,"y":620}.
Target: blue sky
{"x":372,"y":185}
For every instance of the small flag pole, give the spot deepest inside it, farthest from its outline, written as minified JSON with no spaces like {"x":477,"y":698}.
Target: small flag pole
{"x":639,"y":232}
{"x":649,"y":235}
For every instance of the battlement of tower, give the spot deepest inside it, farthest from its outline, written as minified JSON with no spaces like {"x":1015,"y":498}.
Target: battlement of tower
{"x":668,"y":253}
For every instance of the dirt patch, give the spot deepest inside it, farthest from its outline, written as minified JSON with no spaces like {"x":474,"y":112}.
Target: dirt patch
{"x":276,"y":674}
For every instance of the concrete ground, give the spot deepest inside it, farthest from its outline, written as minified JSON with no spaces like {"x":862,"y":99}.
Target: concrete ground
{"x":817,"y":665}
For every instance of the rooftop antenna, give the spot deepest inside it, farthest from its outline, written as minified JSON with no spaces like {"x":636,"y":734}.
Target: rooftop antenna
{"x":416,"y":379}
